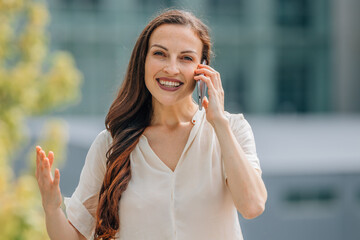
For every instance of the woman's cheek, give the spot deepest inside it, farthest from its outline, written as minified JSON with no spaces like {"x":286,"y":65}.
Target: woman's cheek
{"x":158,"y":63}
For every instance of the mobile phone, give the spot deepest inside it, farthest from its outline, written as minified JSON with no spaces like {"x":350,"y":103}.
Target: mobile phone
{"x":201,"y":89}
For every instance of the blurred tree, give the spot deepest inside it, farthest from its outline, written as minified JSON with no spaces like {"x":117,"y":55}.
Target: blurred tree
{"x":32,"y":81}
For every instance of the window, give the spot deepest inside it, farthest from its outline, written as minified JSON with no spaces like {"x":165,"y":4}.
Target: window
{"x":151,"y":5}
{"x":227,"y":9}
{"x":235,"y":89}
{"x":293,"y":77}
{"x":293,"y":13}
{"x":79,"y":4}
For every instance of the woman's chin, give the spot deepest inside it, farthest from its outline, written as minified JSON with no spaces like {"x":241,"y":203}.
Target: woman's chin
{"x":168,"y":101}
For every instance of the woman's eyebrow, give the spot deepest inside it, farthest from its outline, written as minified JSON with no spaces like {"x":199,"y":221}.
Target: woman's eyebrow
{"x":160,"y":46}
{"x":189,"y":51}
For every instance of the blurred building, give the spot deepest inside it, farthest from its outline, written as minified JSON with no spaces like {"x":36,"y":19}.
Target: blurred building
{"x":276,"y":58}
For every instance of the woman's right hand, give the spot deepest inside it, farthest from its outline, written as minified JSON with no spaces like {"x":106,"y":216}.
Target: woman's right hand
{"x":48,"y":185}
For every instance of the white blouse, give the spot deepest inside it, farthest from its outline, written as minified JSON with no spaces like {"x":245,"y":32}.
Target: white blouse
{"x":191,"y":202}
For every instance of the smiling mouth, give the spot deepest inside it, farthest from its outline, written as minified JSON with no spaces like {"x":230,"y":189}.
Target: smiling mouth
{"x":169,"y":84}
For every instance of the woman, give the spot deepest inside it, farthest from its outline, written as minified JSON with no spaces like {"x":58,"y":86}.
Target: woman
{"x":162,"y":169}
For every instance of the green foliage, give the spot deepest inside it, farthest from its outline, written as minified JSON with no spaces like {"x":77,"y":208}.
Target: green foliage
{"x":32,"y":81}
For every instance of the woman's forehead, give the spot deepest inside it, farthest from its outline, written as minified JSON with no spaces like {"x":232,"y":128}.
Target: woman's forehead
{"x":176,"y":37}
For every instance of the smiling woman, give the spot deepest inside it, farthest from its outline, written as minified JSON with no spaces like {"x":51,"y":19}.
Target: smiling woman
{"x":163,"y":168}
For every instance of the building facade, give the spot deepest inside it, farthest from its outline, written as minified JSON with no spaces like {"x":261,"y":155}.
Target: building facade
{"x":274,"y":56}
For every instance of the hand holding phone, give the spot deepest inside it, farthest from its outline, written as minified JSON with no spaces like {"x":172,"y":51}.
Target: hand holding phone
{"x":201,"y":89}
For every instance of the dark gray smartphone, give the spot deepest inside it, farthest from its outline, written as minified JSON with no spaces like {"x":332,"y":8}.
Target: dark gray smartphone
{"x":201,"y":89}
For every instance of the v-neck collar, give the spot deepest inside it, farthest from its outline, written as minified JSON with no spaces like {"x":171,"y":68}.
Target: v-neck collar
{"x":196,"y":121}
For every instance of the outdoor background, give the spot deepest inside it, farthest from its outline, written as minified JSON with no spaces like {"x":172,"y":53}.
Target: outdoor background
{"x":291,"y":66}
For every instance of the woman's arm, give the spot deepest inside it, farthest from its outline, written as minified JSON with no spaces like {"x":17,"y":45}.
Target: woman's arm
{"x":243,"y":180}
{"x":57,"y":225}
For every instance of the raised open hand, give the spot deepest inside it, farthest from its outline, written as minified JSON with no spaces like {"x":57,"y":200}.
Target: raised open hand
{"x":48,"y":185}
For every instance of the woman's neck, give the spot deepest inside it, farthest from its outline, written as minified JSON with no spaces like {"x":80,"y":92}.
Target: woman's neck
{"x":174,"y":115}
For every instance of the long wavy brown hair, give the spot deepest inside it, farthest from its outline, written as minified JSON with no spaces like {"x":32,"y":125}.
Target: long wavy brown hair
{"x":129,"y":115}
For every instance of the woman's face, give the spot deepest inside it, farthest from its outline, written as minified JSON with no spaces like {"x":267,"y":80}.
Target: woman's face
{"x":174,"y":53}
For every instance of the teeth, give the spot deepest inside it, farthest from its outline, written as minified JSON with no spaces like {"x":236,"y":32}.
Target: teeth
{"x":169,"y":83}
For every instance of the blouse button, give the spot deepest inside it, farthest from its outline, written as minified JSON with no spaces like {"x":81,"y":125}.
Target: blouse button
{"x":194,"y":121}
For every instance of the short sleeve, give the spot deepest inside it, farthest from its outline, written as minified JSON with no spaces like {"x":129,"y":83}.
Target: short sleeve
{"x":245,"y":137}
{"x":78,"y":209}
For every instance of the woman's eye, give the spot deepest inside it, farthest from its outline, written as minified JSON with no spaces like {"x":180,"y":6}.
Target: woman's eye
{"x":187,"y":58}
{"x":157,"y":53}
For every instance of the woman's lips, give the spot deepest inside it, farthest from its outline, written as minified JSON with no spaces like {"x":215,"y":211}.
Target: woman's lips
{"x":169,"y":88}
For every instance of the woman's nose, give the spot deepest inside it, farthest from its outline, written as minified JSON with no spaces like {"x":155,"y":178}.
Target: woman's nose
{"x":171,"y":67}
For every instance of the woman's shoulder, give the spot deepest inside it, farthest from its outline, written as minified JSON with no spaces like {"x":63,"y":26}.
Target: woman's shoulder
{"x":98,"y":149}
{"x":103,"y":138}
{"x":234,"y":117}
{"x":238,"y":122}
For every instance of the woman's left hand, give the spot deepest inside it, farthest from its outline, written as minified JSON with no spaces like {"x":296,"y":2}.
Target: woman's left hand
{"x":214,"y":106}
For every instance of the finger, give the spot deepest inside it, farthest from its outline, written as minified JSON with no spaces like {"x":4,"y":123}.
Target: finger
{"x":214,"y":75}
{"x":205,"y":103}
{"x":42,"y":158}
{"x":206,"y":66}
{"x":201,"y":66}
{"x":211,"y":89}
{"x":56,"y":177}
{"x":204,"y":71}
{"x":46,"y":163}
{"x":207,"y":73}
{"x":38,"y":148}
{"x":207,"y":80}
{"x":46,"y":171}
{"x":51,"y":158}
